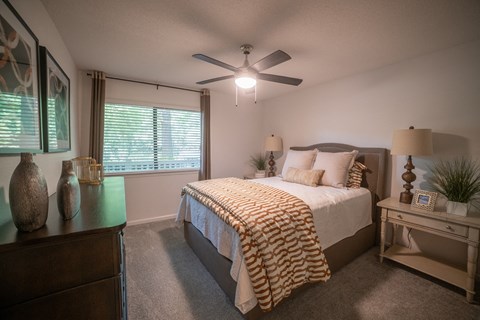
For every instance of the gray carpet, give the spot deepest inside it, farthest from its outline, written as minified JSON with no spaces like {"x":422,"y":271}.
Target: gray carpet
{"x":165,"y":280}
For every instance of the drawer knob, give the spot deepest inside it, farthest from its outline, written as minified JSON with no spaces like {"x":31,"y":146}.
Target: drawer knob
{"x":399,"y":216}
{"x":448,"y":228}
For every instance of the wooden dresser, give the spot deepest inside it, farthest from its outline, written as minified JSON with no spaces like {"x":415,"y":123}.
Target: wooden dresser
{"x":68,"y":269}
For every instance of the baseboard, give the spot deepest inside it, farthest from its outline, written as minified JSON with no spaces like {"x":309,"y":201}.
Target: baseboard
{"x":148,"y":220}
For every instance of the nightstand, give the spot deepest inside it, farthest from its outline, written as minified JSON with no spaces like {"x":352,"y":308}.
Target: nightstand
{"x":463,"y":229}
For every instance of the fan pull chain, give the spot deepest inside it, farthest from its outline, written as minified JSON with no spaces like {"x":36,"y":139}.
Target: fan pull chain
{"x":236,"y":96}
{"x":255,"y":94}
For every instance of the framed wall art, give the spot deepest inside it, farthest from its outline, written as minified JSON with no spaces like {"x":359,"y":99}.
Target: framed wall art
{"x":55,"y":89}
{"x":20,"y":116}
{"x":424,"y":200}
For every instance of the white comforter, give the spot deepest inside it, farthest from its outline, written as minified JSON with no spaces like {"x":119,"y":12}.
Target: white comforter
{"x":337,"y":214}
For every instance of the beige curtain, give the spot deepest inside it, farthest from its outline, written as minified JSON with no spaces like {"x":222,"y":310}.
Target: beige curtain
{"x":97,"y":116}
{"x":205,"y":170}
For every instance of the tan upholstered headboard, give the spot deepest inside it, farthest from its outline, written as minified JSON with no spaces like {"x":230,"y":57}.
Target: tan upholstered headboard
{"x":373,"y":158}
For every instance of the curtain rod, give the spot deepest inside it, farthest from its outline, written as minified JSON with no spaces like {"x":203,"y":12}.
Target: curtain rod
{"x":149,"y":83}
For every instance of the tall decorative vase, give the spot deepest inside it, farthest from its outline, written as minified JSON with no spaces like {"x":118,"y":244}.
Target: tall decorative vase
{"x":68,"y":192}
{"x":28,"y":195}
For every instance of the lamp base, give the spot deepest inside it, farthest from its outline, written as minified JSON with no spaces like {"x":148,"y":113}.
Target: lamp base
{"x":408,"y":176}
{"x":271,"y":163}
{"x":406,"y":197}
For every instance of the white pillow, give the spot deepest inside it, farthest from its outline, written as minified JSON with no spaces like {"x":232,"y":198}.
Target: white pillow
{"x":299,"y":159}
{"x":336,"y":166}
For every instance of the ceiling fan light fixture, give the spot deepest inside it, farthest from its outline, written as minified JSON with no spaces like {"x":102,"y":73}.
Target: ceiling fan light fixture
{"x":245,"y":81}
{"x":246,"y":76}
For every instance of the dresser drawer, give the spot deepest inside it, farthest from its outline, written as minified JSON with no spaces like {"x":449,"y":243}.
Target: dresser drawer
{"x":96,"y":300}
{"x":43,"y":269}
{"x":401,"y":217}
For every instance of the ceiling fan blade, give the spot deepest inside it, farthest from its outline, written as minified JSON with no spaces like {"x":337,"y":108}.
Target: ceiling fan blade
{"x":271,"y":60}
{"x":215,"y":79}
{"x":279,"y":79}
{"x":215,"y":62}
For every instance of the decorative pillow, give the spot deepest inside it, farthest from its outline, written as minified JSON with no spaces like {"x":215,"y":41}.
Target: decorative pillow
{"x":303,"y":176}
{"x":299,"y":159}
{"x":355,"y":175}
{"x":336,"y":166}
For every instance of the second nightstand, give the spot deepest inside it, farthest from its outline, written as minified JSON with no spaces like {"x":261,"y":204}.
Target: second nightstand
{"x":464,"y":229}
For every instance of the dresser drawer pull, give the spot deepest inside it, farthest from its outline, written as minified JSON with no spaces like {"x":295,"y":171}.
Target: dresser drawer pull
{"x":449,"y":228}
{"x":399,"y":216}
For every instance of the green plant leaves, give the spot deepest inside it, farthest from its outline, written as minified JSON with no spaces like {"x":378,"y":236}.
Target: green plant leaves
{"x":458,"y":179}
{"x":259,"y":162}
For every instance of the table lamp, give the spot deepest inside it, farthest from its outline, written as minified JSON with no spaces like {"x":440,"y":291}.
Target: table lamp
{"x":272,"y":144}
{"x":411,"y":142}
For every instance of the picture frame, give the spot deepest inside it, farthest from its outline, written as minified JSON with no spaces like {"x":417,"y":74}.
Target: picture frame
{"x":20,"y":109}
{"x":424,"y":200}
{"x":55,"y":93}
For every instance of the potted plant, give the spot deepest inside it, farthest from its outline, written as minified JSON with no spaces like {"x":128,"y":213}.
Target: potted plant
{"x":259,"y":162}
{"x":459,"y":181}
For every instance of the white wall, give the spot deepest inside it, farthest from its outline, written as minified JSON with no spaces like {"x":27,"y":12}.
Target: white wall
{"x":440,"y":91}
{"x":235,"y":135}
{"x":43,"y":27}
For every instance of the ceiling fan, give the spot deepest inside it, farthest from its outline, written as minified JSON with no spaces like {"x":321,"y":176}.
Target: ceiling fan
{"x":246,"y":76}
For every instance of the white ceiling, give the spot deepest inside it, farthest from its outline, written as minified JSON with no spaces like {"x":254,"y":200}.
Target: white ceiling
{"x":154,"y":40}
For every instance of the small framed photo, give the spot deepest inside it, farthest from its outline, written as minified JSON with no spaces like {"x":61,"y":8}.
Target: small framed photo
{"x":424,"y":200}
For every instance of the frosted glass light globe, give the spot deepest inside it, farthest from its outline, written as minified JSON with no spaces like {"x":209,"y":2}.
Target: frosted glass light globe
{"x":245,"y":82}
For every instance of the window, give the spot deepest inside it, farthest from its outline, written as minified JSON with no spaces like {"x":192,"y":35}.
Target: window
{"x":142,"y":139}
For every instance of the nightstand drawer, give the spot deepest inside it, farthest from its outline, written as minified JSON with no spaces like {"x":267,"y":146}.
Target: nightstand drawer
{"x":399,"y":217}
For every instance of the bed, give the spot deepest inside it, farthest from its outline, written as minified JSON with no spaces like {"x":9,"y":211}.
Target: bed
{"x":221,"y":259}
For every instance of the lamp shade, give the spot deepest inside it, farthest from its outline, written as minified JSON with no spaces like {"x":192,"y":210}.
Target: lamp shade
{"x":273,"y":143}
{"x":412,"y":142}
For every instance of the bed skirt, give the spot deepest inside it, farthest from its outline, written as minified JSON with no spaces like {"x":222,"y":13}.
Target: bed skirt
{"x":338,"y":255}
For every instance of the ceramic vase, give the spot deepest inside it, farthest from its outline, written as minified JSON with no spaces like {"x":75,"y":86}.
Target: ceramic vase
{"x":68,"y":192}
{"x":260,"y":174}
{"x":458,"y":208}
{"x":28,"y":195}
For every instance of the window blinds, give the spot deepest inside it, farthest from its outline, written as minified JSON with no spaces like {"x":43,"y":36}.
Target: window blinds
{"x":142,"y":139}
